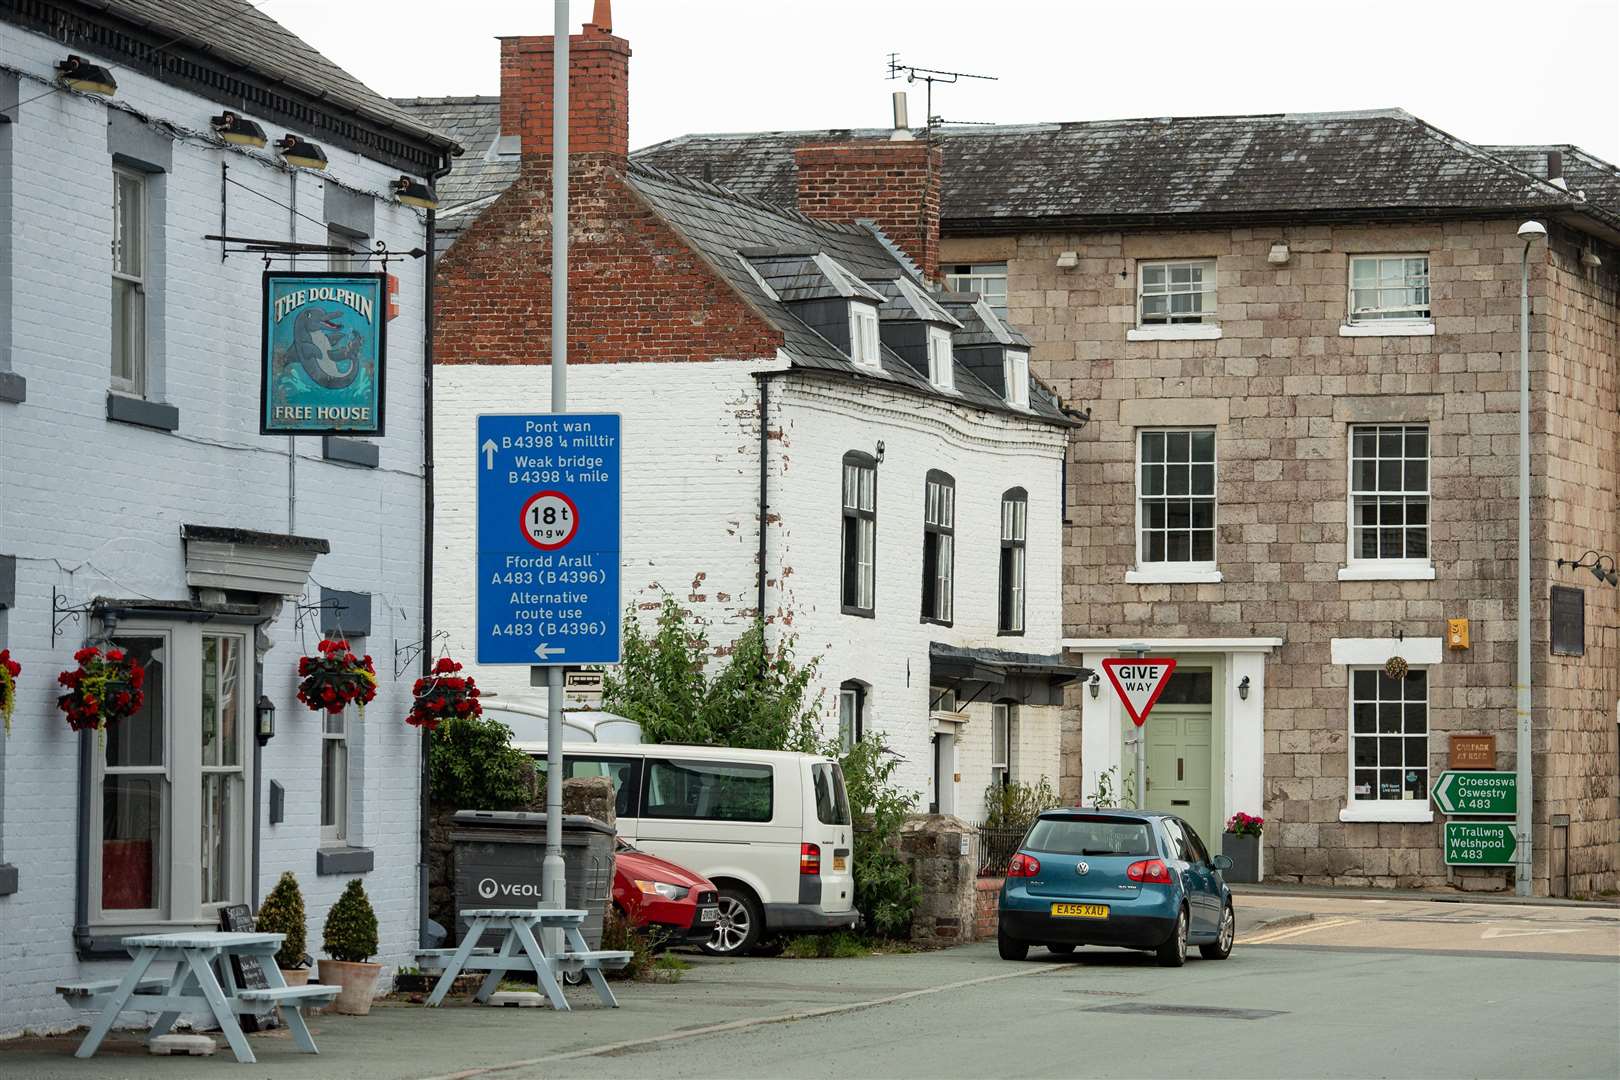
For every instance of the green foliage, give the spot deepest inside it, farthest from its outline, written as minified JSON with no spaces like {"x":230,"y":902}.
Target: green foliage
{"x":282,"y":912}
{"x":756,"y":699}
{"x":1015,"y":806}
{"x":619,"y":934}
{"x":473,"y":765}
{"x":1110,"y":792}
{"x":350,"y":933}
{"x":884,"y":891}
{"x":842,"y":946}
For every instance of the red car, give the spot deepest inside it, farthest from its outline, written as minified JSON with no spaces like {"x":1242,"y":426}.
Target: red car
{"x":670,"y":902}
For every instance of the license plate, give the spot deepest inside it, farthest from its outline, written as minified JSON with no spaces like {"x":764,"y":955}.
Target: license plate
{"x":1081,"y":911}
{"x":839,"y":862}
{"x":709,"y":914}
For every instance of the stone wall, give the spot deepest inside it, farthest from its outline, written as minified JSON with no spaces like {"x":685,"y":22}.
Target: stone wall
{"x":933,"y":847}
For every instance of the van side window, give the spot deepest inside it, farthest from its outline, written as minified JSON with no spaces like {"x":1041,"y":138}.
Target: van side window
{"x":707,"y":790}
{"x":832,"y":805}
{"x":622,"y":771}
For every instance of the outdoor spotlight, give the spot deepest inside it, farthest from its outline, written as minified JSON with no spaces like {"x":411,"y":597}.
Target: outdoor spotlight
{"x":264,"y":715}
{"x":1243,"y":689}
{"x":77,"y":73}
{"x":1530,"y":230}
{"x":1068,"y":260}
{"x":415,"y":193}
{"x":1590,"y":260}
{"x":301,"y":152}
{"x":1605,"y":576}
{"x":234,"y":129}
{"x":1278,"y":255}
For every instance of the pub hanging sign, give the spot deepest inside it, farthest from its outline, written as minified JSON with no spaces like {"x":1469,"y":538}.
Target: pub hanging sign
{"x":324,"y":353}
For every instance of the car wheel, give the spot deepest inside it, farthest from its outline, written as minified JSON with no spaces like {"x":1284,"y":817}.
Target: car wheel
{"x":1221,"y":947}
{"x":1062,"y":948}
{"x":1011,"y":948}
{"x":1173,"y":953}
{"x":739,"y":927}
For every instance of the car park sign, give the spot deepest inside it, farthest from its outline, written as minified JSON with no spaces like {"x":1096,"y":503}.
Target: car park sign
{"x":548,"y":538}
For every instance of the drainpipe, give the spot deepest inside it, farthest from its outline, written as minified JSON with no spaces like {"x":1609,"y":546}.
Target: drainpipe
{"x":764,"y":483}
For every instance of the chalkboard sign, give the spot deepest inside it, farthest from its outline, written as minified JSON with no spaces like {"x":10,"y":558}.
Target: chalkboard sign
{"x":249,"y":970}
{"x":1568,"y":621}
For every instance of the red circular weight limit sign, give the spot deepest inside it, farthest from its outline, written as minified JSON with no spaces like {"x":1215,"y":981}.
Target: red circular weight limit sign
{"x":549,"y":520}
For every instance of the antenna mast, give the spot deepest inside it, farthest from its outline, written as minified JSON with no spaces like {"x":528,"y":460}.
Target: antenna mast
{"x":929,"y":77}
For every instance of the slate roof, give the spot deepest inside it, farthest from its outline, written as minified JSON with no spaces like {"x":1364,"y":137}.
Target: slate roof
{"x":241,"y":34}
{"x":478,"y":175}
{"x":1156,"y":171}
{"x":724,"y":226}
{"x":1585,"y":173}
{"x":907,"y":299}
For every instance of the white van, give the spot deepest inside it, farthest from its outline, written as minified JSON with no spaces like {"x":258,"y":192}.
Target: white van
{"x":770,"y":828}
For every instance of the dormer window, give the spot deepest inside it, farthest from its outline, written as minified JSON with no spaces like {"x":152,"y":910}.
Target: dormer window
{"x":1015,"y":375}
{"x":863,"y":335}
{"x":941,"y":363}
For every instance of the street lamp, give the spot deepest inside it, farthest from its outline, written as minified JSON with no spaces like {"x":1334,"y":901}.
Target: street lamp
{"x":1529,"y":232}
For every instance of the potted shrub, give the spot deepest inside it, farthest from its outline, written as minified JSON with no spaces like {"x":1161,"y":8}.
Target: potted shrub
{"x":282,"y":912}
{"x":1242,"y":844}
{"x":350,"y":939}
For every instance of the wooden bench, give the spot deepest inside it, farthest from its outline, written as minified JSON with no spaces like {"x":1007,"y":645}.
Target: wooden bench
{"x":290,"y":995}
{"x":89,"y":990}
{"x":606,"y":959}
{"x":436,"y":959}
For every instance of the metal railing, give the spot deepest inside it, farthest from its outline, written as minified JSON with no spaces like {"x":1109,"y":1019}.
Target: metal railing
{"x":996,"y":846}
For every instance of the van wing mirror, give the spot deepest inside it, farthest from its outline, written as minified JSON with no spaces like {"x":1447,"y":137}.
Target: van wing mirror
{"x":1222,"y":862}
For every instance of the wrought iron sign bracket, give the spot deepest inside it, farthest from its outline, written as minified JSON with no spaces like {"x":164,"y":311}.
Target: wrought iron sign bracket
{"x":62,"y":613}
{"x":405,"y":655}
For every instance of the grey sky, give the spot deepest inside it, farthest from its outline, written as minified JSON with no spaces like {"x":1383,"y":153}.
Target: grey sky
{"x":1486,"y":71}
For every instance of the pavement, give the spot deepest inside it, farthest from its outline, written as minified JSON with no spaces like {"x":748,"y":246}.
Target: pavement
{"x":1324,"y":986}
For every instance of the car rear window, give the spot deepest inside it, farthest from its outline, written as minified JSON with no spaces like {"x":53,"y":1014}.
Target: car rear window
{"x":832,"y":804}
{"x":1090,"y":836}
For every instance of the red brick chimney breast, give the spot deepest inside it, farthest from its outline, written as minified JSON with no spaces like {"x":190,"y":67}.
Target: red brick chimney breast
{"x":893,"y":184}
{"x":598,"y":91}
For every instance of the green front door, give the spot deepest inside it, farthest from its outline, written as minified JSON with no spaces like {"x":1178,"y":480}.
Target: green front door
{"x":1178,"y":765}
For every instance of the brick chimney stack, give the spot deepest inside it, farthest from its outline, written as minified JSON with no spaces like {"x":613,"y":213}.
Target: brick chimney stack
{"x":598,"y":90}
{"x":894,"y":184}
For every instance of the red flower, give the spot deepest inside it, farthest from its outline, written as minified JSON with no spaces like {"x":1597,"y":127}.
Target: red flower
{"x":85,"y":654}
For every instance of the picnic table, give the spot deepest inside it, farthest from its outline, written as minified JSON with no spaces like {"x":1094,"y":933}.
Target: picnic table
{"x":520,"y":950}
{"x":203,"y":978}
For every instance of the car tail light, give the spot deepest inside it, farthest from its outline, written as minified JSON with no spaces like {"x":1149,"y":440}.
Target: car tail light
{"x":1152,"y":871}
{"x":1023,"y":866}
{"x":809,"y":859}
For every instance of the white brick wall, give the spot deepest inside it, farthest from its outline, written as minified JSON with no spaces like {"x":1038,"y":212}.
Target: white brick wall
{"x":94,"y":508}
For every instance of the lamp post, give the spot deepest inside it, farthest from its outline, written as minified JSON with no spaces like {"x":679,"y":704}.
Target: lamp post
{"x":1528,"y":232}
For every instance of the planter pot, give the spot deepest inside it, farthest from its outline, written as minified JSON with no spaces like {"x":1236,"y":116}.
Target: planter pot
{"x":1244,"y":851}
{"x":357,"y":982}
{"x":295,"y":976}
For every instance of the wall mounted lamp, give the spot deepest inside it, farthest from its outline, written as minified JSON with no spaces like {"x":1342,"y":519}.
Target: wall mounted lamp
{"x":264,"y":718}
{"x":1607,"y":577}
{"x":415,"y":193}
{"x":880,"y":451}
{"x":1096,"y":685}
{"x":238,"y":131}
{"x":301,"y":152}
{"x":77,"y":73}
{"x":1243,"y":689}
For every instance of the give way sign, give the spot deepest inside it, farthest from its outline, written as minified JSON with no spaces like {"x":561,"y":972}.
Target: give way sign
{"x":1139,"y":683}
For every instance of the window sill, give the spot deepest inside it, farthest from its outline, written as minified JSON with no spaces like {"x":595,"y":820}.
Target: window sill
{"x":1157,"y":576}
{"x":142,"y":413}
{"x":1386,"y":572}
{"x":1186,"y":332}
{"x":1009,"y":633}
{"x":8,"y":879}
{"x":13,"y":388}
{"x":1411,"y":811}
{"x":1387,"y":329}
{"x":343,"y":860}
{"x":931,"y":621}
{"x":860,"y":613}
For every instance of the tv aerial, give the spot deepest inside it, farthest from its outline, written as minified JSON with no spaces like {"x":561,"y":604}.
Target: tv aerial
{"x":929,"y":76}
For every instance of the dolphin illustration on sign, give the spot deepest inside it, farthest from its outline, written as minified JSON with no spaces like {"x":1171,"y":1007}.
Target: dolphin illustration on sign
{"x":315,"y":332}
{"x":323,"y":360}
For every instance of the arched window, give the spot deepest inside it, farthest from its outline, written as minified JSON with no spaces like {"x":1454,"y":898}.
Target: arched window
{"x":860,"y":534}
{"x":939,"y":546}
{"x":1014,"y":520}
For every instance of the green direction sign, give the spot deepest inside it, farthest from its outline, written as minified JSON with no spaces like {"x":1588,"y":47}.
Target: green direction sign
{"x":1479,"y":843}
{"x":1477,"y":791}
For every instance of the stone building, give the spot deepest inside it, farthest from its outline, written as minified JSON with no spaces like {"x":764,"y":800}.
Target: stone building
{"x":813,"y":434}
{"x":140,"y":506}
{"x":1300,"y":336}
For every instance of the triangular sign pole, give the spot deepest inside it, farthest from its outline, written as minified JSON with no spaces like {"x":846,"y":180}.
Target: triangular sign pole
{"x":1139,"y":682}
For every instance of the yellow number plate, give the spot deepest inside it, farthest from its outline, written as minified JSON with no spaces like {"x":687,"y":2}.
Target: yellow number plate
{"x":1081,"y":911}
{"x":838,"y":862}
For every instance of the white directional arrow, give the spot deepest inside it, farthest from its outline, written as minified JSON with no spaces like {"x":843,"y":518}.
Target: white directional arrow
{"x":1517,"y":931}
{"x":489,"y":453}
{"x":544,"y":651}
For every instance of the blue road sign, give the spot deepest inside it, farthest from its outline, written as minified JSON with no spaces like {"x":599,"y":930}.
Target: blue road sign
{"x":548,"y":539}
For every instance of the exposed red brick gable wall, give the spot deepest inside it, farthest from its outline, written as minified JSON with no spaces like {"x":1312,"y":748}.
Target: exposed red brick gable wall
{"x":636,"y":290}
{"x":893,"y":184}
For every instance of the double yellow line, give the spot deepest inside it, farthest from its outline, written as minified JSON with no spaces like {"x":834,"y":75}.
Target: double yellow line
{"x":1266,"y":937}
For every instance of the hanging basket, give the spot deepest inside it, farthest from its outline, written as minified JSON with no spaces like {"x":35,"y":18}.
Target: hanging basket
{"x":336,"y":678}
{"x":443,"y":694}
{"x":1396,"y":667}
{"x":104,"y":689}
{"x":9,"y":670}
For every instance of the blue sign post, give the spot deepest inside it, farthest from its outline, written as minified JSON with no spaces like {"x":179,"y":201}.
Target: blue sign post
{"x":548,"y":539}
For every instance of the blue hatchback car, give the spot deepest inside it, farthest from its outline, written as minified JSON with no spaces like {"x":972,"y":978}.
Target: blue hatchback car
{"x":1137,"y":879}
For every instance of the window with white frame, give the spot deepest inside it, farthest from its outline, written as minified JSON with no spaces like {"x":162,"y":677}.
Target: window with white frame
{"x":129,"y":269}
{"x":1389,"y":493}
{"x":335,"y":778}
{"x":1389,"y":735}
{"x":1389,"y":288}
{"x":1003,"y":718}
{"x":863,"y":334}
{"x":170,"y":839}
{"x":351,"y":258}
{"x":989,"y":280}
{"x":1014,"y":526}
{"x":1015,"y":373}
{"x":859,"y":533}
{"x":1175,"y":293}
{"x":939,"y":546}
{"x":941,"y":365}
{"x":1176,"y":498}
{"x":851,"y":714}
